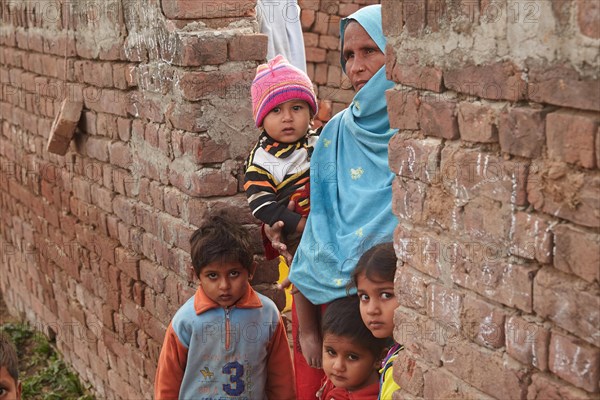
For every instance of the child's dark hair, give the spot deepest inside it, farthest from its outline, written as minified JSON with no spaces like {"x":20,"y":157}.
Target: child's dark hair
{"x":223,"y":239}
{"x":342,"y":318}
{"x":377,"y":264}
{"x":8,"y":356}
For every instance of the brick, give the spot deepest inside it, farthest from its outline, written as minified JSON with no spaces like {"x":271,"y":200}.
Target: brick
{"x":588,"y":18}
{"x":469,"y":173}
{"x":477,"y":122}
{"x":391,"y":15}
{"x":200,"y":9}
{"x":415,"y":159}
{"x":124,"y":208}
{"x":124,"y":129}
{"x":437,"y":117}
{"x":531,"y":237}
{"x":322,"y":22}
{"x":483,"y":323}
{"x":310,"y":39}
{"x":569,"y":302}
{"x":575,"y":362}
{"x":102,"y":197}
{"x":119,"y":76}
{"x":415,"y":16}
{"x":106,"y":125}
{"x":97,"y":148}
{"x":545,"y":387}
{"x":321,"y":74}
{"x":570,"y":137}
{"x":120,"y":154}
{"x":334,"y":76}
{"x":199,"y":85}
{"x":527,"y":342}
{"x":403,"y":109}
{"x":598,"y":147}
{"x":205,"y":150}
{"x":95,"y":73}
{"x":422,"y":336}
{"x":485,"y":370}
{"x":153,"y":275}
{"x":440,"y":384}
{"x":248,"y":47}
{"x":421,"y":251}
{"x":408,"y":372}
{"x":106,"y":101}
{"x":444,"y":305}
{"x":138,"y":293}
{"x":63,"y":127}
{"x":188,"y":117}
{"x":151,"y":134}
{"x":329,"y":42}
{"x":205,"y":182}
{"x":563,"y":86}
{"x":558,"y":190}
{"x":412,"y":288}
{"x":307,"y":19}
{"x":338,"y":96}
{"x":173,"y":201}
{"x":316,"y":55}
{"x":81,"y":189}
{"x":407,"y":70}
{"x":309,"y":4}
{"x":499,"y":81}
{"x":577,"y":252}
{"x":408,"y":200}
{"x":494,"y":278}
{"x":522,"y":132}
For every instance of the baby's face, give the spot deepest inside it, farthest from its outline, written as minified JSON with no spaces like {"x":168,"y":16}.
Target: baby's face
{"x":9,"y":388}
{"x":348,"y":364}
{"x":288,"y":122}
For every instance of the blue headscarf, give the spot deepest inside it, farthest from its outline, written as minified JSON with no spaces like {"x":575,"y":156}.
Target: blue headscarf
{"x":351,"y":185}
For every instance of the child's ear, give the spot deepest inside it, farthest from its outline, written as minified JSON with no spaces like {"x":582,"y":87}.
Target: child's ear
{"x":194,"y":272}
{"x":19,"y":390}
{"x":252,"y":270}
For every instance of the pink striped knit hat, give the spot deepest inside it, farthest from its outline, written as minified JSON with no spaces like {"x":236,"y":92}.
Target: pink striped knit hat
{"x":277,"y":82}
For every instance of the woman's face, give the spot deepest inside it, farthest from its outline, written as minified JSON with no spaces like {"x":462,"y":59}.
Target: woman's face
{"x":363,"y":57}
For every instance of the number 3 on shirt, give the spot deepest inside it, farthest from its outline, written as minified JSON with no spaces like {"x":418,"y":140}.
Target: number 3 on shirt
{"x":235,"y":371}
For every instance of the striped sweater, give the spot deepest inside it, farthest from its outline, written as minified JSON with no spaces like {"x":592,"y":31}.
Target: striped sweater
{"x":277,"y":173}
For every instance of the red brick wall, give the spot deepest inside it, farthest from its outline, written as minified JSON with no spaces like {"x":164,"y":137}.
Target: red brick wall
{"x":321,"y":25}
{"x":95,"y":244}
{"x":497,"y":196}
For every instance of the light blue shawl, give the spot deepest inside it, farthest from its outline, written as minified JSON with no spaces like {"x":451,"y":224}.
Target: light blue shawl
{"x":351,"y":185}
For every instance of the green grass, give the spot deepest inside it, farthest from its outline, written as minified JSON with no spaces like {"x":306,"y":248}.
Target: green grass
{"x":43,"y":373}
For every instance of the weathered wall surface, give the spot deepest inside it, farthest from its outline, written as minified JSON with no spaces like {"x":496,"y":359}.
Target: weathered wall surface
{"x":95,"y":244}
{"x":321,"y":25}
{"x":498,"y":196}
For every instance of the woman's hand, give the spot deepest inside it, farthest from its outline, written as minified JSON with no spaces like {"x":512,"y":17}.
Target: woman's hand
{"x":311,"y":345}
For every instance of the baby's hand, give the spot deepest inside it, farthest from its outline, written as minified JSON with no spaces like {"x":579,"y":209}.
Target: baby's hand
{"x":275,"y":235}
{"x":284,"y":284}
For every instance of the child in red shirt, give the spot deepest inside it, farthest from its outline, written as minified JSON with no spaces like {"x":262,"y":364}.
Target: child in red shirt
{"x":351,"y":354}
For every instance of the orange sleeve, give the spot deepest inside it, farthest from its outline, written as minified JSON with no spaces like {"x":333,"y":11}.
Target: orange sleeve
{"x":171,"y":366}
{"x":281,"y":384}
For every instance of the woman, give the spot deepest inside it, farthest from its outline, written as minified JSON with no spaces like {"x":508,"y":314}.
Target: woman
{"x":351,"y":192}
